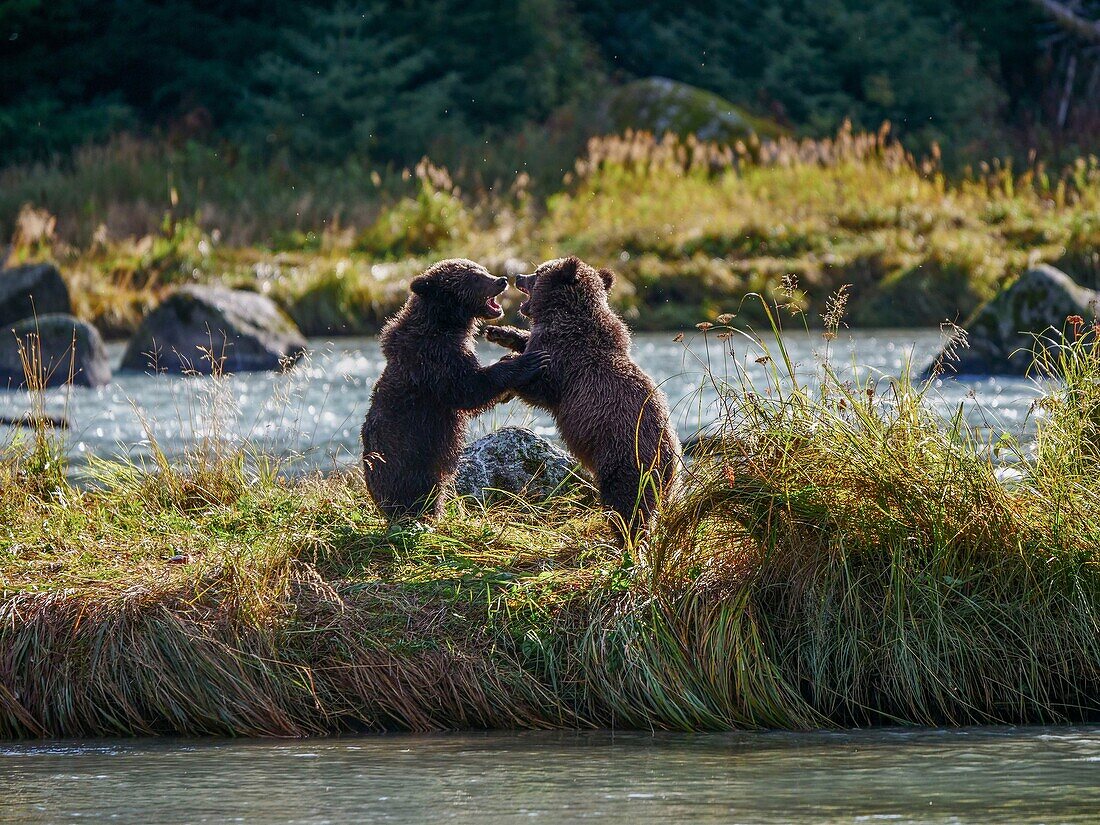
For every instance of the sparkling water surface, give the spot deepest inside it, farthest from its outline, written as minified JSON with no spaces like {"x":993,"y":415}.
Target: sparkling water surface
{"x":310,"y":416}
{"x":978,"y":775}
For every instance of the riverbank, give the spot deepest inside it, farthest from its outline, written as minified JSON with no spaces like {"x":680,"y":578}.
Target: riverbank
{"x":691,"y":228}
{"x":842,"y":557}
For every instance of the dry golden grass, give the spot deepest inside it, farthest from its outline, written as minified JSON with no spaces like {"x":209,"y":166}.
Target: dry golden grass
{"x":692,"y":228}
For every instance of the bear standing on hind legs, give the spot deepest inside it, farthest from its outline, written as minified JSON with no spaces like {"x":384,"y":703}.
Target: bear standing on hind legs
{"x":610,"y":414}
{"x":432,"y":385}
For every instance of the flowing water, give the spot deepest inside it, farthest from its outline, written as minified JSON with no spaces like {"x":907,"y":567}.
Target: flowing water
{"x":979,"y":775}
{"x":310,"y":416}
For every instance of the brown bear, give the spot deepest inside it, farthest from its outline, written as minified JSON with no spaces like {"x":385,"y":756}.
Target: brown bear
{"x":610,"y":414}
{"x":431,"y":386}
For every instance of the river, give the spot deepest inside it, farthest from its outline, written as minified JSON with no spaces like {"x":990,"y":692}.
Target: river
{"x":309,"y":417}
{"x":977,"y":775}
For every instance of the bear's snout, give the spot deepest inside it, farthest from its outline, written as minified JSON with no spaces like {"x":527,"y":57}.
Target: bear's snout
{"x":524,"y":283}
{"x":500,"y":285}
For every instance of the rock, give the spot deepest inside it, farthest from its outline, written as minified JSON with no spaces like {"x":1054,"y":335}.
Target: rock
{"x":999,"y":339}
{"x":48,"y":341}
{"x":659,"y":105}
{"x":514,"y":460}
{"x":30,"y":290}
{"x":35,"y":422}
{"x":245,"y":330}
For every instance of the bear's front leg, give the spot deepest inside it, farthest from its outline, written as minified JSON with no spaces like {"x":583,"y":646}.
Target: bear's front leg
{"x":486,"y":385}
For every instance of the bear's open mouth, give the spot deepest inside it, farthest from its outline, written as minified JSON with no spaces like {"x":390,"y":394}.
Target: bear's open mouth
{"x":492,"y":308}
{"x":525,"y":307}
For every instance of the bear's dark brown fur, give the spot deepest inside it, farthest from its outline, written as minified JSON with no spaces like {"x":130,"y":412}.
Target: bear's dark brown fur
{"x":432,"y":385}
{"x":609,"y":412}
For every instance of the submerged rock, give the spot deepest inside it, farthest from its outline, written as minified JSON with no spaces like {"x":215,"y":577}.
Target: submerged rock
{"x":514,"y":460}
{"x":1001,"y":334}
{"x":35,"y":422}
{"x":55,"y":348}
{"x":198,"y":326}
{"x":30,"y":290}
{"x":660,"y":105}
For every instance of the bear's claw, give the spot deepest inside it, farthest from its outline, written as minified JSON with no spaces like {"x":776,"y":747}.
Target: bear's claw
{"x":505,"y":336}
{"x":531,"y":364}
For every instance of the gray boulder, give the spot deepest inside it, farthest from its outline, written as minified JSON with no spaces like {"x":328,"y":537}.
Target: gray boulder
{"x":513,"y":460}
{"x":30,"y":290}
{"x":243,"y":331}
{"x":1001,"y":332}
{"x":56,"y":348}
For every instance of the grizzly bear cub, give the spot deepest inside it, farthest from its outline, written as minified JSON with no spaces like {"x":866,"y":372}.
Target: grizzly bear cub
{"x":431,"y":386}
{"x":609,"y":412}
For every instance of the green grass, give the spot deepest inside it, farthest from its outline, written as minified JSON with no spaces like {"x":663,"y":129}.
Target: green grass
{"x":839,"y":556}
{"x":691,"y":228}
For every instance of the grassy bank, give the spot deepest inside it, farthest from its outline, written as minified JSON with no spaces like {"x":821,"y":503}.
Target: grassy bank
{"x":841,"y":557}
{"x":691,"y":228}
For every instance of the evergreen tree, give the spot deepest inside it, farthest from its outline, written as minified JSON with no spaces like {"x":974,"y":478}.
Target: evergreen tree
{"x":812,"y":62}
{"x":78,"y":70}
{"x":511,"y":60}
{"x":397,"y":78}
{"x":836,"y":59}
{"x":345,"y":84}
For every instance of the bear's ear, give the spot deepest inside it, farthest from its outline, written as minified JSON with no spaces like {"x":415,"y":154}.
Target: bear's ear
{"x":608,"y":278}
{"x":424,"y":286}
{"x":567,"y":273}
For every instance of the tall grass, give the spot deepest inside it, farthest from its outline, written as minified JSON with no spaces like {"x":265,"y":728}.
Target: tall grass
{"x":838,"y":556}
{"x":873,"y":564}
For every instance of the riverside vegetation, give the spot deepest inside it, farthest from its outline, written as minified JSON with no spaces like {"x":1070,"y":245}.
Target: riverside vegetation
{"x":839,"y":555}
{"x":691,"y":227}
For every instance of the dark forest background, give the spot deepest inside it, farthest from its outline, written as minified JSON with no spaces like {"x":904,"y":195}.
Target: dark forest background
{"x":392,"y":80}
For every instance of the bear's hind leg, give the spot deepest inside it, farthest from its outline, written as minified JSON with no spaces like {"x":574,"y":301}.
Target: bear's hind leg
{"x":631,"y":498}
{"x":402,"y":494}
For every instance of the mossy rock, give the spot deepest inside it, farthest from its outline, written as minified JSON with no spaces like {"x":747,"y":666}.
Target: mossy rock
{"x":514,"y":460}
{"x":32,"y":289}
{"x":58,"y":349}
{"x":199,"y":327}
{"x":660,"y":105}
{"x":1003,"y":333}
